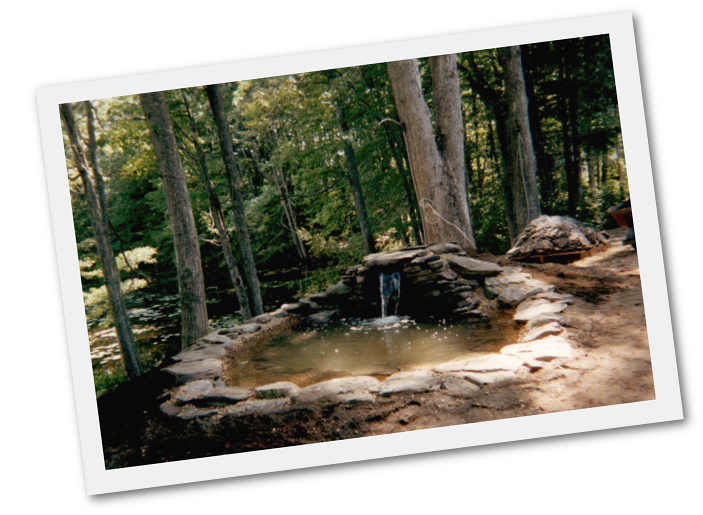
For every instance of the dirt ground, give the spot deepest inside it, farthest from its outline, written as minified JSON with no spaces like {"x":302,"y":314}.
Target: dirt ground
{"x":612,"y":366}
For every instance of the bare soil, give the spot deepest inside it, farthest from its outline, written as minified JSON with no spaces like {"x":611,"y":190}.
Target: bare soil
{"x":612,"y":366}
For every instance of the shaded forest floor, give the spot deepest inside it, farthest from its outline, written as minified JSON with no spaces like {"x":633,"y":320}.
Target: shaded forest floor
{"x":612,"y":366}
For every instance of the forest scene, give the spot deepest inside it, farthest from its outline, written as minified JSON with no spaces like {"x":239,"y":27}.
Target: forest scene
{"x":228,"y":232}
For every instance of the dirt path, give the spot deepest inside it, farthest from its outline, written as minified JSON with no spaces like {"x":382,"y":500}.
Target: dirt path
{"x":612,"y":366}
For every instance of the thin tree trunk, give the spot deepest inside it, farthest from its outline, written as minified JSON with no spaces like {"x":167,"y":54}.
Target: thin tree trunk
{"x":219,"y":221}
{"x":545,"y":174}
{"x":282,"y":185}
{"x":437,"y":166}
{"x":368,"y":240}
{"x":191,"y":284}
{"x":572,"y":180}
{"x":240,"y":221}
{"x":97,"y":208}
{"x":522,"y":193}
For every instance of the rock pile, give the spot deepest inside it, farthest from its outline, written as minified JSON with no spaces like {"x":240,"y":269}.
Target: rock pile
{"x":436,"y":280}
{"x":555,"y":235}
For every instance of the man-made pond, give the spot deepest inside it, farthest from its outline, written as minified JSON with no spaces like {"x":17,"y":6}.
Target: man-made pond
{"x":377,"y":347}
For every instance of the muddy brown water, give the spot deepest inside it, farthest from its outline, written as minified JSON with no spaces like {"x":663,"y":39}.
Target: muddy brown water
{"x":313,"y":355}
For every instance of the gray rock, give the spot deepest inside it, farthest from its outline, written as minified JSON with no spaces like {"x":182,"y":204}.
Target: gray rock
{"x":444,"y":248}
{"x":536,"y":308}
{"x":192,"y":390}
{"x":309,"y":305}
{"x":514,"y":294}
{"x":472,"y":267}
{"x":437,"y":265}
{"x":385,"y":259}
{"x":424,"y":259}
{"x":323,"y":317}
{"x":208,"y":394}
{"x":338,"y":290}
{"x":457,"y":386}
{"x":258,"y":407}
{"x":215,"y":338}
{"x":414,"y":382}
{"x":545,"y":319}
{"x":192,"y":371}
{"x":261,"y":319}
{"x":487,"y":363}
{"x":193,"y":413}
{"x":209,"y":352}
{"x":555,"y":297}
{"x":461,"y":289}
{"x":276,"y":390}
{"x":481,"y":370}
{"x":170,"y":409}
{"x":546,"y":349}
{"x":413,"y":269}
{"x":542,"y":331}
{"x":469,"y":312}
{"x":495,"y":285}
{"x":341,"y":390}
{"x":448,"y":275}
{"x":352,"y":270}
{"x":468,"y":304}
{"x":246,"y":328}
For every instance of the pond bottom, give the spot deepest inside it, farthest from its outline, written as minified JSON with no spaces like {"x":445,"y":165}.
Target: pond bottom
{"x":376,"y":348}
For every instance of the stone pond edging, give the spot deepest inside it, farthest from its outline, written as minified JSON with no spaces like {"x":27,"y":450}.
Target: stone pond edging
{"x":544,"y":340}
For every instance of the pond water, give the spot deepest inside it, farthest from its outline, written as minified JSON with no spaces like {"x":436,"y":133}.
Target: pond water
{"x":378,"y":348}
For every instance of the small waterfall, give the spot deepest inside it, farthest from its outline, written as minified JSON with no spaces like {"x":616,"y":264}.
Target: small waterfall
{"x":389,"y":284}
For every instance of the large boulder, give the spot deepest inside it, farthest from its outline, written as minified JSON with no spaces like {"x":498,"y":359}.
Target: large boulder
{"x":552,"y":235}
{"x":464,"y":265}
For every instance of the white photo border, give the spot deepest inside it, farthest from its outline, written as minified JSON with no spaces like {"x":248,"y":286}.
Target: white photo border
{"x":666,"y":407}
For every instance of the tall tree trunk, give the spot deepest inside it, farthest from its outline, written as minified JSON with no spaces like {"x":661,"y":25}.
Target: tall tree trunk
{"x":437,"y":166}
{"x":251,"y":278}
{"x":521,"y":190}
{"x":218,"y":220}
{"x":97,"y":208}
{"x":572,"y":178}
{"x":281,"y":182}
{"x":368,"y":240}
{"x":191,"y":284}
{"x":395,"y":145}
{"x":544,"y":173}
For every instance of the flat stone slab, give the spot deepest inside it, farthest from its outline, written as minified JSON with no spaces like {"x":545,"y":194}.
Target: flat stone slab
{"x":542,"y":331}
{"x":456,"y":385}
{"x":546,"y":349}
{"x":556,"y":297}
{"x":261,"y":319}
{"x":341,"y":390}
{"x":472,"y":267}
{"x":246,"y":328}
{"x":338,"y":290}
{"x":193,"y":413}
{"x":445,"y":248}
{"x":192,"y":371}
{"x":385,"y":259}
{"x":215,"y":338}
{"x":545,"y":319}
{"x":276,"y":390}
{"x":540,"y":307}
{"x":205,"y":393}
{"x":258,"y":407}
{"x":483,"y":378}
{"x":169,"y":408}
{"x":514,"y":294}
{"x":209,"y":352}
{"x":414,"y":382}
{"x":488,"y":363}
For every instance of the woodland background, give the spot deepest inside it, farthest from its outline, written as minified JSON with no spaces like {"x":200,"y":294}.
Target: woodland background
{"x":291,"y":179}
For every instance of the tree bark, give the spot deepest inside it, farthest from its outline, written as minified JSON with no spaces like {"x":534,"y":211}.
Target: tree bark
{"x":368,"y":241}
{"x":521,"y":189}
{"x":219,"y":221}
{"x":569,"y":122}
{"x":240,"y":221}
{"x":97,"y":208}
{"x":437,"y":166}
{"x":191,"y":284}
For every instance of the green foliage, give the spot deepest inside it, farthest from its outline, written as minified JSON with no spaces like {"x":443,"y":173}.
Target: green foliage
{"x":108,"y":379}
{"x":289,"y":135}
